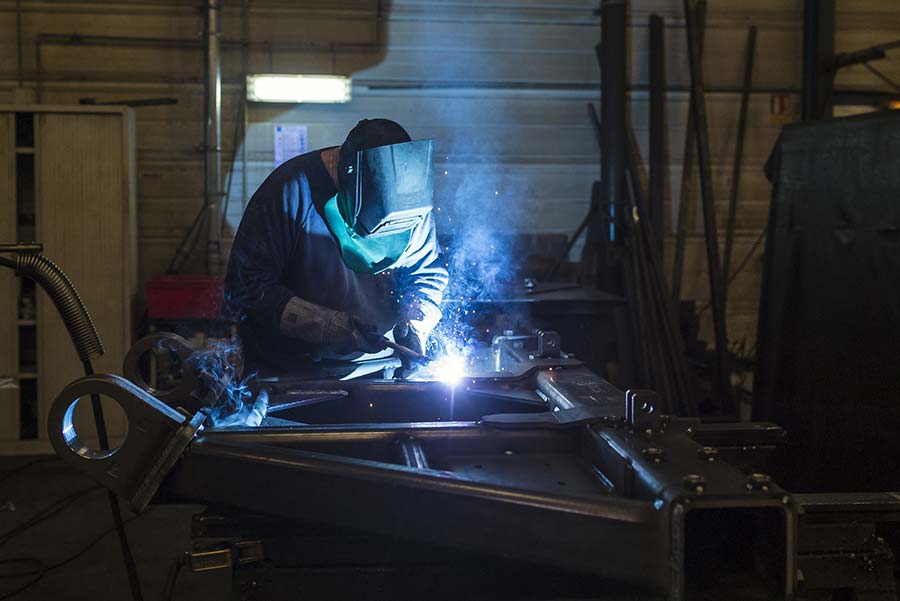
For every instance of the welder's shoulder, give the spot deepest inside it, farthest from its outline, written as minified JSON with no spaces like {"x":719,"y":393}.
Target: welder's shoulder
{"x":287,"y":188}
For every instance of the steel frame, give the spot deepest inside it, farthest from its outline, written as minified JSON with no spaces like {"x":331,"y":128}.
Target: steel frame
{"x":579,"y":475}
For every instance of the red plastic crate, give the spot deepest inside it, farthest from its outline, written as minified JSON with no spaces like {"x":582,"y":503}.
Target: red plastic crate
{"x":185,"y":297}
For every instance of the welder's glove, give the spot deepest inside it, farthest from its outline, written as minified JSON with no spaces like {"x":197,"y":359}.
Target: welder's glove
{"x":416,"y":321}
{"x":329,"y":330}
{"x":349,"y":334}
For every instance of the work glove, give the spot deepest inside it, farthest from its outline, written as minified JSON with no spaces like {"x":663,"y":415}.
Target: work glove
{"x":329,"y":330}
{"x":416,"y":321}
{"x":350,"y":334}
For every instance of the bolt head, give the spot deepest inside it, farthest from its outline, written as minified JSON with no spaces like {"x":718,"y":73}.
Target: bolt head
{"x":758,"y":481}
{"x":708,"y":453}
{"x":653,"y":454}
{"x":694,"y":482}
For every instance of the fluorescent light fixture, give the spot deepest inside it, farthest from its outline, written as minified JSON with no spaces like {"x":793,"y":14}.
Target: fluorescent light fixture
{"x":298,"y":88}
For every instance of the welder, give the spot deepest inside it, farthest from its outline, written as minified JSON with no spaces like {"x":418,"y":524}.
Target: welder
{"x":337,"y":252}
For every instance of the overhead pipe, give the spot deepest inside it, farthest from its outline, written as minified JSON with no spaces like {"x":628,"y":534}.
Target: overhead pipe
{"x":212,"y":142}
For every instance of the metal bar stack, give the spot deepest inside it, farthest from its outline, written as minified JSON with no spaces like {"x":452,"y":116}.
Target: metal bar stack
{"x":658,"y":171}
{"x":738,"y":156}
{"x":687,"y":169}
{"x":661,"y":342}
{"x":721,"y":382}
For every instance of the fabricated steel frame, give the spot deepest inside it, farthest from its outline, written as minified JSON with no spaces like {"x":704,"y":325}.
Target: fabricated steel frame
{"x":644,"y":493}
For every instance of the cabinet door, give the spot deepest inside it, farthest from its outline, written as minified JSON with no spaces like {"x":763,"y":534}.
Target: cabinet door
{"x":83,"y":215}
{"x":9,"y":286}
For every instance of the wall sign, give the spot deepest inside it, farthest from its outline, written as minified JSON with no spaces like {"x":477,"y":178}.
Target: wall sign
{"x":290,"y":140}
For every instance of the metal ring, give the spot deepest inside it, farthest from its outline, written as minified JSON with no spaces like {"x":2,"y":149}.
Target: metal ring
{"x":166,"y":341}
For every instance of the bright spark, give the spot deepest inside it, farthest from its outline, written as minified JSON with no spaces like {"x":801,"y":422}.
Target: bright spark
{"x":448,"y":369}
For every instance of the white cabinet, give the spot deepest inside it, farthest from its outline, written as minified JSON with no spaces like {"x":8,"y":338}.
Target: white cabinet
{"x":67,"y":180}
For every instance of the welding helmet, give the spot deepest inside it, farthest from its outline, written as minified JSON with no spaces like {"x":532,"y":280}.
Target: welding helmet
{"x":386,"y":189}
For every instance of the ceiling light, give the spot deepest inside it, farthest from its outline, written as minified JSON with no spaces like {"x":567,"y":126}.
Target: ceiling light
{"x":298,"y":88}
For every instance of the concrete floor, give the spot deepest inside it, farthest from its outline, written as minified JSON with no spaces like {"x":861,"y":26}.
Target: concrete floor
{"x":157,"y":538}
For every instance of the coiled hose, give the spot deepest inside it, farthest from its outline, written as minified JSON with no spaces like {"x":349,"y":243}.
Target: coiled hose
{"x":69,"y":305}
{"x":88,"y":346}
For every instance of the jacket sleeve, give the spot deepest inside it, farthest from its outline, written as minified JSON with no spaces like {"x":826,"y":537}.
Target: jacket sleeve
{"x":422,"y":276}
{"x":262,"y":247}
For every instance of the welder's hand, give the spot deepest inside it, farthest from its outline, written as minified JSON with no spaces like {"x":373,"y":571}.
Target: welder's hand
{"x":329,"y":330}
{"x":417,"y":319}
{"x":348,"y":334}
{"x":406,"y":334}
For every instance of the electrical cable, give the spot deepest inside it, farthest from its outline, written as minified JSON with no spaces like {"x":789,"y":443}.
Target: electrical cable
{"x":40,"y":568}
{"x":46,"y":513}
{"x":130,"y":566}
{"x":18,"y":470}
{"x":87,"y":345}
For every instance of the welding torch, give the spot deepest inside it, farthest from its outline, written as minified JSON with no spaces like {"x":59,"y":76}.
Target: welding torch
{"x":403,"y":350}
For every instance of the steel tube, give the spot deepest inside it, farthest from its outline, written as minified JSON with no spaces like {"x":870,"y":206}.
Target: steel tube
{"x":620,"y":538}
{"x":714,"y":269}
{"x":738,"y":156}
{"x":613,"y":85}
{"x":213,"y":137}
{"x":687,"y":169}
{"x":657,"y":180}
{"x":413,"y":453}
{"x":818,"y":58}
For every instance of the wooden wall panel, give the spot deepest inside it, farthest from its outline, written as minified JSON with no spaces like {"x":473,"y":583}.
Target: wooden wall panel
{"x":9,"y":285}
{"x":83,"y":216}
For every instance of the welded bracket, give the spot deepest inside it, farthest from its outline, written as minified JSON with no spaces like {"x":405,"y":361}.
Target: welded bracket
{"x":640,"y":416}
{"x":157,"y":343}
{"x":562,"y":418}
{"x":157,"y":435}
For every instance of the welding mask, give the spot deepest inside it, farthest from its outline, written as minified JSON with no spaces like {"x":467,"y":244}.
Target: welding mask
{"x":385,"y":192}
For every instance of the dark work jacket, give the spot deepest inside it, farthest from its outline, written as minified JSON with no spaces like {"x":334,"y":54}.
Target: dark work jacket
{"x":283,"y":248}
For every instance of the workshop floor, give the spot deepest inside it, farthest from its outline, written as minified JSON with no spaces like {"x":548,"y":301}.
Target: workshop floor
{"x":95,"y":574}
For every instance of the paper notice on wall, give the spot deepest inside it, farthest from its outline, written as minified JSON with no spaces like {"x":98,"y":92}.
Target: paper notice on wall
{"x":290,"y":140}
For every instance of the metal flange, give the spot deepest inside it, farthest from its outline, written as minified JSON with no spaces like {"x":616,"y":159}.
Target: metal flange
{"x":156,"y":437}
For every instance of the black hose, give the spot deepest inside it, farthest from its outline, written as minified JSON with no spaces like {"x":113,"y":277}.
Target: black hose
{"x":88,"y":346}
{"x":63,"y":294}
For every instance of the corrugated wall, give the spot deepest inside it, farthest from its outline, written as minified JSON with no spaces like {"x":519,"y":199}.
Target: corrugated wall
{"x":502,"y":85}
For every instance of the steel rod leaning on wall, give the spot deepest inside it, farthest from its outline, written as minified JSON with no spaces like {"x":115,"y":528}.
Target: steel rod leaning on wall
{"x":687,"y":168}
{"x":658,"y":173}
{"x":738,"y":157}
{"x":716,"y":286}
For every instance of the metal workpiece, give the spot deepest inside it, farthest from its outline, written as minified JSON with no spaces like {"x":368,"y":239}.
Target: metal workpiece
{"x":157,"y":435}
{"x":412,"y":452}
{"x":521,"y":356}
{"x":150,"y":348}
{"x":556,"y":467}
{"x":656,"y":466}
{"x":567,"y":388}
{"x":619,"y":538}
